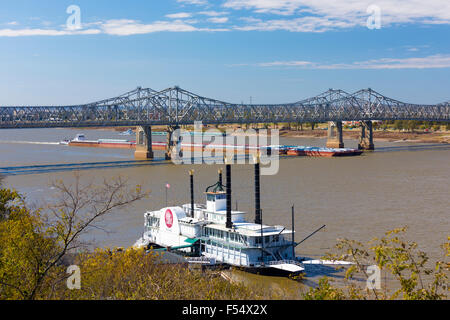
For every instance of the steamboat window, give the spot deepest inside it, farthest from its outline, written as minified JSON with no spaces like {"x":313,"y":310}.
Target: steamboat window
{"x":152,"y":221}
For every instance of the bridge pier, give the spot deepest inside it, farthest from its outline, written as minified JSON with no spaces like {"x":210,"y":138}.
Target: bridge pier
{"x":366,"y":137}
{"x":144,"y":148}
{"x":172,"y":141}
{"x":335,"y":136}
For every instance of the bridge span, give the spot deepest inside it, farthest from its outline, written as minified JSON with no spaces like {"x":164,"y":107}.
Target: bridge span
{"x":174,"y":106}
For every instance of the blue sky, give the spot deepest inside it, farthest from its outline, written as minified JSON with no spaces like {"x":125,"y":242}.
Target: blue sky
{"x":271,"y":50}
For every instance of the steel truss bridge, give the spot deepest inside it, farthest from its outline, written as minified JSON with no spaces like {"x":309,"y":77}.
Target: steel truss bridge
{"x":175,"y":106}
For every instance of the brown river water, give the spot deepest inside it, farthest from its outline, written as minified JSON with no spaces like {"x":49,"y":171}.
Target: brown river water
{"x":400,"y":184}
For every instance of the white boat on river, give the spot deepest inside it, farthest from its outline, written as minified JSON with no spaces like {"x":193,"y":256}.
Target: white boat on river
{"x":216,"y":233}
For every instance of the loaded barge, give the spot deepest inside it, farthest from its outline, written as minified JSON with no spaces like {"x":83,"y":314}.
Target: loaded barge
{"x":81,"y":141}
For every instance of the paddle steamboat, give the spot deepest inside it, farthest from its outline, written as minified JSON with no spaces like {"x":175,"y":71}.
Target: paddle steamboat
{"x":216,"y":233}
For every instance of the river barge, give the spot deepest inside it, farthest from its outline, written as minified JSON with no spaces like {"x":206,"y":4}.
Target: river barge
{"x":305,"y":151}
{"x":299,"y":151}
{"x":81,"y":141}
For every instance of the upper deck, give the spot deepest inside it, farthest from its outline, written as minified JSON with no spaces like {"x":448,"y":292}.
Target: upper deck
{"x":250,"y":229}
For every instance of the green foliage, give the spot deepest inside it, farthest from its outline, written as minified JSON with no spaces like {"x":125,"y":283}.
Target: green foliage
{"x":393,"y":255}
{"x":398,"y":125}
{"x":134,"y":274}
{"x":25,"y":247}
{"x":33,"y":244}
{"x":325,"y":291}
{"x":409,"y":265}
{"x":412,"y":125}
{"x":10,"y":202}
{"x":436,"y":127}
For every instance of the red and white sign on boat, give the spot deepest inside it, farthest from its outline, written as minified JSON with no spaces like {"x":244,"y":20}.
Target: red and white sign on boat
{"x":169,"y":218}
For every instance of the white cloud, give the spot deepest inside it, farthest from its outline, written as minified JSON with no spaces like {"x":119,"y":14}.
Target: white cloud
{"x":180,"y":15}
{"x":119,"y":27}
{"x":342,"y":14}
{"x":131,"y":27}
{"x":195,"y":2}
{"x":437,"y":61}
{"x":218,"y":20}
{"x":429,"y":62}
{"x":305,"y":24}
{"x":266,"y":15}
{"x":415,"y":48}
{"x":265,"y":6}
{"x":287,"y":64}
{"x":213,"y":13}
{"x":44,"y":32}
{"x":126,"y":27}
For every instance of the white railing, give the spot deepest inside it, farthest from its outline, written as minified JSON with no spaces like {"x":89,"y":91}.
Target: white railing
{"x":201,"y":260}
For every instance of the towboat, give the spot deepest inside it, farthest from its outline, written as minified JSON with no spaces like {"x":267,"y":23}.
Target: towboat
{"x":80,"y":140}
{"x":80,"y":137}
{"x":215,"y":233}
{"x":64,"y":142}
{"x":129,"y":132}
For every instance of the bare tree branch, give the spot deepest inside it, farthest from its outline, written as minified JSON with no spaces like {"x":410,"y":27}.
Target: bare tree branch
{"x":77,"y":210}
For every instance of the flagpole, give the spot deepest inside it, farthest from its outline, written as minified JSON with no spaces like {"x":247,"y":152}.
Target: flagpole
{"x":166,"y":194}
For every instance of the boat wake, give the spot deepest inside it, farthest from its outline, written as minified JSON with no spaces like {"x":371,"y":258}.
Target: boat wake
{"x":48,"y":168}
{"x":30,"y":142}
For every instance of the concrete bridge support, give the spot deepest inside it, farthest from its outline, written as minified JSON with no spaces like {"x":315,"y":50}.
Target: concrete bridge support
{"x":366,"y":137}
{"x":335,"y":137}
{"x":172,"y":140}
{"x":144,"y":148}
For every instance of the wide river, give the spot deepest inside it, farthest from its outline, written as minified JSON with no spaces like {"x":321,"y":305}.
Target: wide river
{"x":400,"y":184}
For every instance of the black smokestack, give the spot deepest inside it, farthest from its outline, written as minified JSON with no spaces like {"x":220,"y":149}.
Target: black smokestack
{"x":191,"y":173}
{"x":257,"y":194}
{"x":229,"y":224}
{"x":220,"y":177}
